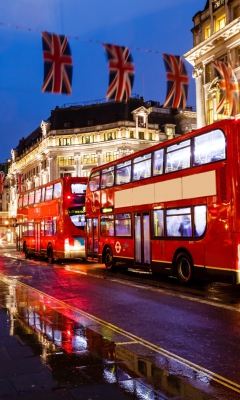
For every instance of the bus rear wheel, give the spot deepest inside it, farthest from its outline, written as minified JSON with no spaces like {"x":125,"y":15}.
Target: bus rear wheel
{"x":108,"y":259}
{"x":50,"y":255}
{"x":184,"y":268}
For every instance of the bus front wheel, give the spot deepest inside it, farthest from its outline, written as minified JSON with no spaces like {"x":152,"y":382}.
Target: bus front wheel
{"x":108,"y":259}
{"x":184,"y":268}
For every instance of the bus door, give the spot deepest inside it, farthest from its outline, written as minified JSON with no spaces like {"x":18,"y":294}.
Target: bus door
{"x":92,"y":238}
{"x":142,"y":249}
{"x":37,"y":230}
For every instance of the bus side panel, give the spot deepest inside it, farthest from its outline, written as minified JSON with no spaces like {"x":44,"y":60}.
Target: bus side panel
{"x":164,"y":251}
{"x":122,"y":249}
{"x":220,"y":262}
{"x":107,"y":197}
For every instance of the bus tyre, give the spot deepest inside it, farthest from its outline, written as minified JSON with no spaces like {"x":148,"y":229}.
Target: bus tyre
{"x":108,"y":259}
{"x":184,"y":268}
{"x":50,"y":255}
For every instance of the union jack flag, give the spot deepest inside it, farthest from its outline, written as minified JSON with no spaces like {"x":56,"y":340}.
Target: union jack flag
{"x":2,"y":176}
{"x":121,"y":72}
{"x":229,"y":85}
{"x":177,"y":81}
{"x":57,"y":64}
{"x":20,"y":183}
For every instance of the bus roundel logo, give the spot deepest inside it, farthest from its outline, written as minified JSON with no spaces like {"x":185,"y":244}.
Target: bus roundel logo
{"x":117,"y":247}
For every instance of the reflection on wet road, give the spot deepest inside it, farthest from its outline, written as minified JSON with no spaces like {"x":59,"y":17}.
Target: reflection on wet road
{"x":81,"y":352}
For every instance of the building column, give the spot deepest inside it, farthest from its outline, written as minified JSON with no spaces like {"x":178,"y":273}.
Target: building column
{"x":77,"y":158}
{"x":197,"y":75}
{"x":137,"y":133}
{"x":49,"y":159}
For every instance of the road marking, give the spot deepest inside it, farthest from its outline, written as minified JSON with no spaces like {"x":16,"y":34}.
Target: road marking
{"x":134,"y":338}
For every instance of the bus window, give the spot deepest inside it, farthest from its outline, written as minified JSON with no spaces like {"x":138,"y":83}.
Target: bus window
{"x":123,"y":173}
{"x":43,"y":194}
{"x":77,"y":216}
{"x":57,"y":190}
{"x":158,"y":162}
{"x":54,"y":224}
{"x":142,"y":167}
{"x":158,"y":224}
{"x":48,"y":228}
{"x":78,"y":188}
{"x":42,"y":228}
{"x":123,"y":225}
{"x":179,"y":222}
{"x":31,"y":198}
{"x":107,"y":225}
{"x":94,"y":181}
{"x":200,"y":220}
{"x":178,"y":156}
{"x":30,"y":229}
{"x":25,"y":199}
{"x":37,"y":196}
{"x":107,"y":177}
{"x":209,"y":147}
{"x":49,"y":192}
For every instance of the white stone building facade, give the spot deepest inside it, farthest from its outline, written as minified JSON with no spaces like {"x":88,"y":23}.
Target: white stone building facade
{"x":216,"y":37}
{"x":76,"y":139}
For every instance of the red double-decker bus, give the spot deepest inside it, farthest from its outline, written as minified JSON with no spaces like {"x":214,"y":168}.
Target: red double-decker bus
{"x":51,"y":219}
{"x":173,"y":208}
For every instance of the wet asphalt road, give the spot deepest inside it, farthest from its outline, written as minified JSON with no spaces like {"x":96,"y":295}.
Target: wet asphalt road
{"x":199,"y":324}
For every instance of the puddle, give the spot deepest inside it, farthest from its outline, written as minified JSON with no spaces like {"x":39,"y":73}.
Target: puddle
{"x":81,"y":352}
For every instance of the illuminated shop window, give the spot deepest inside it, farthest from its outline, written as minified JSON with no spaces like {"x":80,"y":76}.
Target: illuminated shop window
{"x":209,"y":105}
{"x":65,"y":141}
{"x":208,"y":73}
{"x":94,"y":158}
{"x":207,"y":32}
{"x":63,"y":161}
{"x":108,"y":156}
{"x":220,"y":23}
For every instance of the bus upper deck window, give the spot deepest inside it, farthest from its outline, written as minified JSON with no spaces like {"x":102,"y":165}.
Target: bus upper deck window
{"x":94,"y":181}
{"x":158,"y":162}
{"x":57,"y":190}
{"x":78,"y":188}
{"x":38,"y":195}
{"x":209,"y":147}
{"x":107,"y":177}
{"x":123,"y":173}
{"x":142,"y":167}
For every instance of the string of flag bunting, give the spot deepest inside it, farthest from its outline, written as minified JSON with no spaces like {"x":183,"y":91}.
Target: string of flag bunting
{"x":58,"y":69}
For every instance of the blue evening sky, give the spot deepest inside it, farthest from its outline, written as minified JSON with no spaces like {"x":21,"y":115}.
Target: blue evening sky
{"x":153,"y":26}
